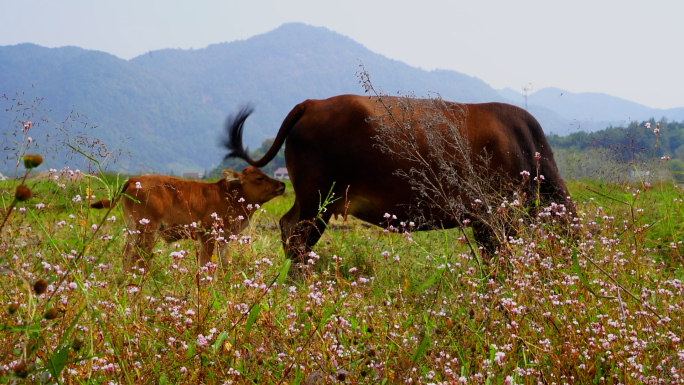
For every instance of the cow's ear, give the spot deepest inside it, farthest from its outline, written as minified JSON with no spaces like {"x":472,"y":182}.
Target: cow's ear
{"x":231,"y":176}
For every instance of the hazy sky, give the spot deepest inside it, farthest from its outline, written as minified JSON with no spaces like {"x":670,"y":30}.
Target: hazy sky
{"x":631,"y":49}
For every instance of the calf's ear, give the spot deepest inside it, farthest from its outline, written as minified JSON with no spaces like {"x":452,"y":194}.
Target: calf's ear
{"x":231,"y":176}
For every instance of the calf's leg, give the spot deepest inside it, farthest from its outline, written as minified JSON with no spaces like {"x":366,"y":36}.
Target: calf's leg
{"x":138,"y":251}
{"x":208,"y":243}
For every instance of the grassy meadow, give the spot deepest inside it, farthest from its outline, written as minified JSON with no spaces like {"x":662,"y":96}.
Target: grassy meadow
{"x":374,"y":305}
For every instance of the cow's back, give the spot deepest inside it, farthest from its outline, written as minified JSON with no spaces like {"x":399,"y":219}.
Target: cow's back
{"x":335,"y":142}
{"x":168,"y":201}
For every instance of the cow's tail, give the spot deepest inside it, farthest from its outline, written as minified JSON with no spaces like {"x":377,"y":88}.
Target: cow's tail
{"x":106,"y":203}
{"x":234,"y":128}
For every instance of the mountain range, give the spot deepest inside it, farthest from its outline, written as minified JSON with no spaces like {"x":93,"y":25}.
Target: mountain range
{"x":166,"y":108}
{"x":590,"y":111}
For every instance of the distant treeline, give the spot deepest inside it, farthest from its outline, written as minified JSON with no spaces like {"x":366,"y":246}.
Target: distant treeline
{"x":643,"y":150}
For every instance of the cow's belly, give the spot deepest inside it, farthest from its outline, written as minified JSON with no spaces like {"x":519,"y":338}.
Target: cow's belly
{"x":374,"y":211}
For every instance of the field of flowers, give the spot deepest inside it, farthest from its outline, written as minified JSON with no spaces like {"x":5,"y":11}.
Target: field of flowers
{"x":372,"y":305}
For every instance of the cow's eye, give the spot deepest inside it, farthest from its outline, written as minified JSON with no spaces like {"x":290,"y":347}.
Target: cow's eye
{"x":260,"y":179}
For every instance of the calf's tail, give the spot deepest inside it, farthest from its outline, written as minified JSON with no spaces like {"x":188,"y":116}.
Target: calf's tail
{"x":106,"y":203}
{"x":103,"y":203}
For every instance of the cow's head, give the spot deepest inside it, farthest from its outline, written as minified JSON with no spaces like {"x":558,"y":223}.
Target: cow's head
{"x":257,"y":187}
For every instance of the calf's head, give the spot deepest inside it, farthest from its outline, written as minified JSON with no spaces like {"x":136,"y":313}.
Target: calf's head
{"x":257,"y":187}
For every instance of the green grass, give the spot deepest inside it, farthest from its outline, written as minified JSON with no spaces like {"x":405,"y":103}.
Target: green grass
{"x":603,"y":306}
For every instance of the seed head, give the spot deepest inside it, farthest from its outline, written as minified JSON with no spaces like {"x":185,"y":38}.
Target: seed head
{"x":12,"y":308}
{"x":342,"y":375}
{"x":21,"y":370}
{"x":77,"y":344}
{"x":52,"y":313}
{"x":32,"y":161}
{"x":23,"y":193}
{"x":40,"y":286}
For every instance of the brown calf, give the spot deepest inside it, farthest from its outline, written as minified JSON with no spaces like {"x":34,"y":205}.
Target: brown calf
{"x":177,"y":208}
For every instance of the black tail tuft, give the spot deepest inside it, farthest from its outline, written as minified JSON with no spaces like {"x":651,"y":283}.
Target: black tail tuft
{"x":233,"y":139}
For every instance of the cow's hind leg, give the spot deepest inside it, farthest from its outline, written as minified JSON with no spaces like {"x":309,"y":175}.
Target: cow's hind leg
{"x":485,"y":237}
{"x":301,"y":228}
{"x":287,"y":228}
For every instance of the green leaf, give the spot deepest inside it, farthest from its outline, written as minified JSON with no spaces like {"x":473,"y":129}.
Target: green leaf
{"x":129,"y":197}
{"x":78,"y":150}
{"x":328,"y":313}
{"x":422,"y":348}
{"x":253,"y":315}
{"x":58,"y":361}
{"x":599,"y":373}
{"x":282,"y":275}
{"x":491,"y":354}
{"x":578,"y":271}
{"x":97,"y":178}
{"x":432,"y":280}
{"x":219,"y":341}
{"x":73,"y":324}
{"x":191,"y":351}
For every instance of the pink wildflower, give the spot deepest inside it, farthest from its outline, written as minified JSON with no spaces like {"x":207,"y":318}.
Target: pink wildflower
{"x":202,"y":341}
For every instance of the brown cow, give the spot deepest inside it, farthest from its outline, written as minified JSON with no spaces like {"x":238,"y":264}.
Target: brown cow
{"x":170,"y":206}
{"x":333,"y":144}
